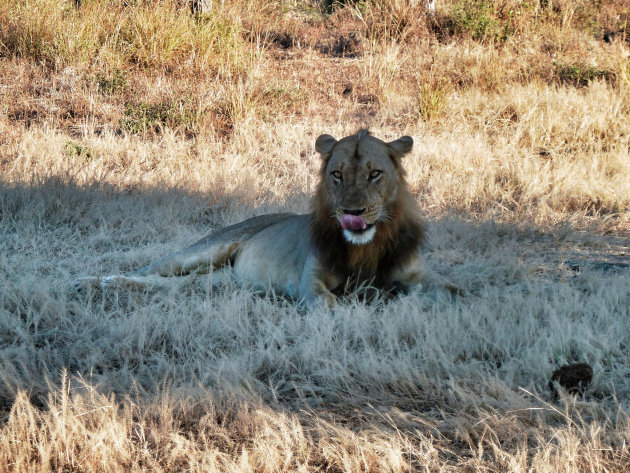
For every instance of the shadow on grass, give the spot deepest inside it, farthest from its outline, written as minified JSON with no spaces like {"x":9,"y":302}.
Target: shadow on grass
{"x":55,"y":230}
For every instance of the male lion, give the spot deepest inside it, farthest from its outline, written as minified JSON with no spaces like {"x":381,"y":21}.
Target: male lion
{"x":365,"y":228}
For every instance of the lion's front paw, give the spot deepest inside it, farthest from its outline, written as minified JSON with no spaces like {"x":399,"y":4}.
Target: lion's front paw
{"x":454,"y":289}
{"x":95,"y":282}
{"x":324,"y":299}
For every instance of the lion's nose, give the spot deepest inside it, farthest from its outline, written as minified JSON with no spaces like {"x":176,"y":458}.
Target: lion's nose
{"x":355,"y":212}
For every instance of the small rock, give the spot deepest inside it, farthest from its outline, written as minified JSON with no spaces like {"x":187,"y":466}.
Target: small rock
{"x":574,"y":378}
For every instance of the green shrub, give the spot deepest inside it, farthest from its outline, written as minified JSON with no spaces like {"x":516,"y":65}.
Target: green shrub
{"x":580,"y":75}
{"x":110,"y":84}
{"x":77,"y":150}
{"x":142,"y":118}
{"x":474,"y":18}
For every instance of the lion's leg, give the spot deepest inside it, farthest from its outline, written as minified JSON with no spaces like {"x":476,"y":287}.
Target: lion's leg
{"x":316,"y":284}
{"x":213,"y":251}
{"x":416,"y":272}
{"x":195,"y":259}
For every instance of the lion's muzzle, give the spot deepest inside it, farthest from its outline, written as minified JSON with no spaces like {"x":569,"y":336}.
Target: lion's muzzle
{"x":353,"y":222}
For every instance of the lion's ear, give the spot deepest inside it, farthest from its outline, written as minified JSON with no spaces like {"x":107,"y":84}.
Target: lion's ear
{"x":401,"y":146}
{"x":324,"y":144}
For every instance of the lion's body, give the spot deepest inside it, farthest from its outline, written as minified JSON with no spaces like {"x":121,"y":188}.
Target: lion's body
{"x":283,"y":271}
{"x":364,"y":228}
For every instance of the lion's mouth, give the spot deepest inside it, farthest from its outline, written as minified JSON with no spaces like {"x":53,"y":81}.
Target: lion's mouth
{"x":355,"y":224}
{"x":356,"y":230}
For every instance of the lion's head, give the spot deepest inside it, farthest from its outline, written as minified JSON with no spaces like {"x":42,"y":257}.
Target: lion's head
{"x":361,"y":179}
{"x":364,"y":212}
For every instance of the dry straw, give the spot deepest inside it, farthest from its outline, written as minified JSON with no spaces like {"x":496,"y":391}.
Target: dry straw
{"x":131,"y":129}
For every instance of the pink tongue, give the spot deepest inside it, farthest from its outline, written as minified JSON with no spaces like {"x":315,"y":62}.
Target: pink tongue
{"x":352,"y":222}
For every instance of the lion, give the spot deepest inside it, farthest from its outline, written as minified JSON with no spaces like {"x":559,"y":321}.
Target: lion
{"x":364,"y":230}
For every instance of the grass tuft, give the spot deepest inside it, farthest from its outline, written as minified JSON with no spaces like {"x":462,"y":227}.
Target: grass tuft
{"x":433,"y":96}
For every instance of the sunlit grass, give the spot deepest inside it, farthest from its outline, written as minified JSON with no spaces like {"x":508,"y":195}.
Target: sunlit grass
{"x":132,"y":129}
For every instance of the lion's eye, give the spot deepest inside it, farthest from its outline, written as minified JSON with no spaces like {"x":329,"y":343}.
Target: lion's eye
{"x":375,"y":174}
{"x":337,"y":175}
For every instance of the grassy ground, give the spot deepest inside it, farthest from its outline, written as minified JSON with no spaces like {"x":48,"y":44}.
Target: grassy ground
{"x":131,"y":129}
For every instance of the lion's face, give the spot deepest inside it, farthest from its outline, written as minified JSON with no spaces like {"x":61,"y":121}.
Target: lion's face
{"x":361,"y":177}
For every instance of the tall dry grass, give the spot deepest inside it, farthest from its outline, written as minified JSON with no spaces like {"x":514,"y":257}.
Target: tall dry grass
{"x":131,"y":130}
{"x":116,"y":34}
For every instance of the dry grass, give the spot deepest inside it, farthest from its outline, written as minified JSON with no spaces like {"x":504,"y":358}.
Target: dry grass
{"x":131,"y":129}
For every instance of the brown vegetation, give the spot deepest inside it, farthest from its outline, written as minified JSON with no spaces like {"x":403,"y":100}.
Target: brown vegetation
{"x":132,"y":128}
